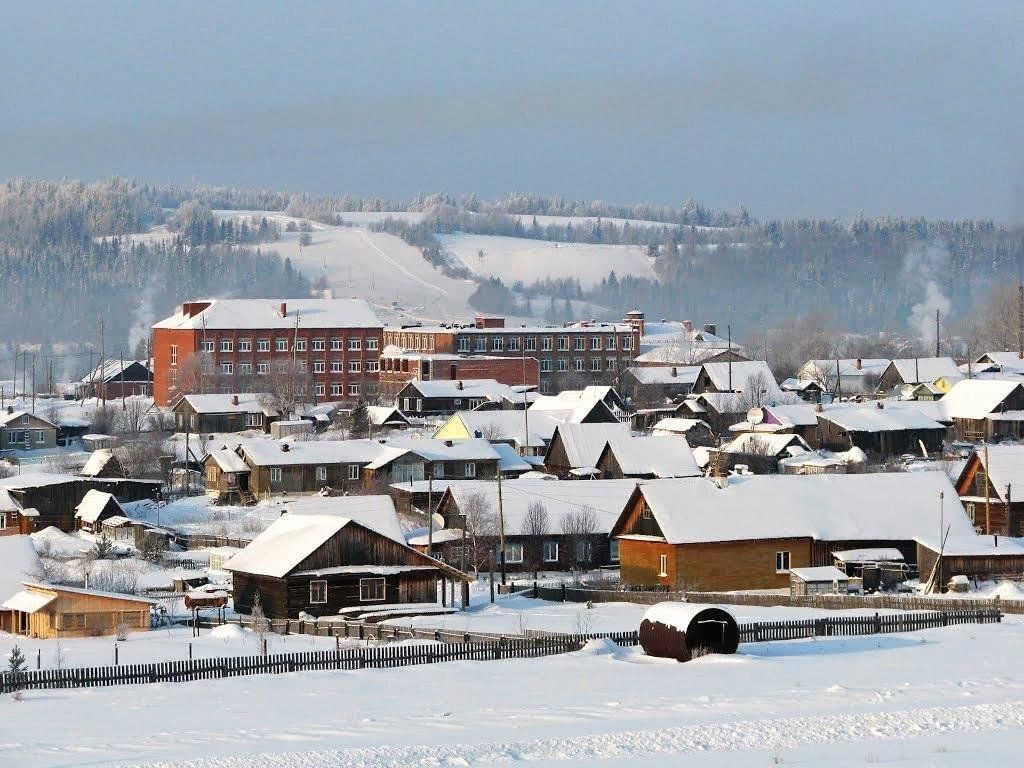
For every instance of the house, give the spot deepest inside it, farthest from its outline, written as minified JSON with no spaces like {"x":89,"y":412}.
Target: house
{"x":50,"y":611}
{"x":227,"y":345}
{"x":350,"y":553}
{"x":880,"y":428}
{"x":823,"y":580}
{"x":855,"y":375}
{"x":19,"y":561}
{"x":576,"y":448}
{"x":680,"y":343}
{"x":399,"y":366}
{"x":24,"y":431}
{"x":752,"y":378}
{"x":442,"y":397}
{"x":227,"y":476}
{"x":387,"y":417}
{"x":224,"y":413}
{"x":1002,"y":362}
{"x":653,"y":384}
{"x":571,"y":408}
{"x":984,"y":409}
{"x":102,"y":463}
{"x":807,"y":390}
{"x":112,"y":379}
{"x":696,"y":431}
{"x":290,"y":428}
{"x":577,"y":517}
{"x":984,"y":558}
{"x":295,"y":467}
{"x":991,"y":487}
{"x":917,"y":370}
{"x":626,"y":456}
{"x":33,"y":501}
{"x":95,"y":507}
{"x":749,"y":532}
{"x":794,"y":419}
{"x":406,"y":459}
{"x":502,"y":427}
{"x":760,"y":452}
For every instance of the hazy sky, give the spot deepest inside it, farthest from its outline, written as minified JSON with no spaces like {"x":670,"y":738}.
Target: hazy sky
{"x":791,"y":109}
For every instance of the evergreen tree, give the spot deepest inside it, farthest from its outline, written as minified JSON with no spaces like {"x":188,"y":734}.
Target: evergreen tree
{"x":360,"y":419}
{"x":16,"y":661}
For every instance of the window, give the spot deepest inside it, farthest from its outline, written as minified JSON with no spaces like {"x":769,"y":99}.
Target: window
{"x":613,"y":550}
{"x":530,"y":343}
{"x":335,"y":389}
{"x":207,"y":346}
{"x":545,"y":343}
{"x":782,"y":562}
{"x":438,"y":470}
{"x":227,"y":368}
{"x":550,"y":551}
{"x":470,"y":469}
{"x":577,"y":364}
{"x":463,"y":344}
{"x":354,"y":344}
{"x":353,"y":471}
{"x":262,"y":369}
{"x":545,"y":365}
{"x":372,"y":344}
{"x":300,"y":345}
{"x":497,"y":344}
{"x":319,"y":345}
{"x":72,"y":621}
{"x":480,"y":344}
{"x":174,"y":354}
{"x":317,"y":592}
{"x":245,"y":345}
{"x":584,"y":551}
{"x":319,"y":366}
{"x":263,"y":345}
{"x":281,"y":345}
{"x":645,"y":512}
{"x":969,"y":506}
{"x":321,"y":474}
{"x":3,"y":520}
{"x":275,"y":474}
{"x":40,"y":437}
{"x":226,"y":345}
{"x":563,"y":343}
{"x":611,"y":342}
{"x":513,"y":344}
{"x":254,"y":419}
{"x":579,"y":343}
{"x":371,"y":590}
{"x":627,"y":343}
{"x":563,"y":363}
{"x":610,"y":364}
{"x":320,"y":390}
{"x":245,"y":369}
{"x":353,"y":366}
{"x":513,"y":552}
{"x":663,"y":565}
{"x":336,"y":345}
{"x":337,"y":366}
{"x":595,"y":343}
{"x":595,"y":364}
{"x":353,"y":390}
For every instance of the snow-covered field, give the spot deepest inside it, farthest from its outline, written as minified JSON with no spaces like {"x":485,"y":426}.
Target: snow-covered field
{"x":514,"y":258}
{"x":944,"y":697}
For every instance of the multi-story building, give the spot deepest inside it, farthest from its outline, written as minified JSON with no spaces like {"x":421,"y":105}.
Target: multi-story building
{"x":398,"y":367}
{"x":241,"y":345}
{"x":570,"y":356}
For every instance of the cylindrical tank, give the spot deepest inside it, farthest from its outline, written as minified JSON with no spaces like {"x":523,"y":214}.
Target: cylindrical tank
{"x":682,"y":630}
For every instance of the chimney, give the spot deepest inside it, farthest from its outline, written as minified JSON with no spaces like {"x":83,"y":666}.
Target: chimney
{"x":234,"y":399}
{"x":458,"y":385}
{"x":711,"y":328}
{"x":995,"y":539}
{"x":448,"y":443}
{"x":284,"y":309}
{"x":283,"y":512}
{"x":675,"y":372}
{"x":880,"y":405}
{"x":688,"y":326}
{"x":285,"y":447}
{"x":860,"y":364}
{"x":10,"y":409}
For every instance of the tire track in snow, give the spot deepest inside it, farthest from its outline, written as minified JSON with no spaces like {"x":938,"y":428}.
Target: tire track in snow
{"x":761,"y":735}
{"x":398,"y":266}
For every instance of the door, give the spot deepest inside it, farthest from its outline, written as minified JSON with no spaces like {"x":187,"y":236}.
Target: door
{"x":24,"y":620}
{"x":403,"y":590}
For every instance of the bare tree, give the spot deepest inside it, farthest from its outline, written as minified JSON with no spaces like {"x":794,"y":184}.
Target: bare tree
{"x":140,"y":457}
{"x":133,"y":418}
{"x":481,"y":525}
{"x":579,"y":526}
{"x":535,"y":527}
{"x":285,"y":387}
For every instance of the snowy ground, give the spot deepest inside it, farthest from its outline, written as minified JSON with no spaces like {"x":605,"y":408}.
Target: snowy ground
{"x":927,"y":698}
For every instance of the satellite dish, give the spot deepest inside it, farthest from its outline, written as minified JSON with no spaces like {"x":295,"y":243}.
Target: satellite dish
{"x":755,"y":415}
{"x":438,"y":521}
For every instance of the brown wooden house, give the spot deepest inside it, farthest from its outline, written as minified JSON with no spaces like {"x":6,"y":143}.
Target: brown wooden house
{"x":320,"y":563}
{"x":224,"y":413}
{"x":991,"y":487}
{"x":575,"y":449}
{"x":40,"y":499}
{"x":94,"y":508}
{"x":984,"y":409}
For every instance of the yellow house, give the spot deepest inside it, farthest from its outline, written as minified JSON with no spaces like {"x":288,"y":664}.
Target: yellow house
{"x":945,"y":383}
{"x":502,"y":427}
{"x":46,"y":611}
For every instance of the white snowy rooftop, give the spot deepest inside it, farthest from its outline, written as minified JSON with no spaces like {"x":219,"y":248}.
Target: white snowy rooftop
{"x":260,"y":314}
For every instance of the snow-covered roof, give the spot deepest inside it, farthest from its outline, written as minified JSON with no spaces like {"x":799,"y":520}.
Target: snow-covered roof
{"x":487,"y":389}
{"x":228,"y":460}
{"x":869,"y":555}
{"x":915,"y":370}
{"x":974,"y":546}
{"x":54,"y":540}
{"x":18,"y":561}
{"x":90,"y":592}
{"x":97,"y":462}
{"x":605,"y":498}
{"x":385,"y":414}
{"x":287,"y":542}
{"x":791,"y":415}
{"x":36,"y":480}
{"x":829,"y":507}
{"x":677,"y":426}
{"x":848,"y":367}
{"x":92,"y":505}
{"x":375,"y":570}
{"x":765,"y":443}
{"x":869,"y":417}
{"x":111,"y":369}
{"x":270,"y":453}
{"x":469,"y":449}
{"x":247,"y":402}
{"x":1008,"y":362}
{"x":975,"y":398}
{"x":666,"y":374}
{"x":9,"y":418}
{"x":440,"y":536}
{"x":827,"y":573}
{"x":509,"y":460}
{"x":570,"y":407}
{"x":28,"y":601}
{"x":583,"y":443}
{"x":664,"y":456}
{"x":1005,"y":467}
{"x":508,"y":425}
{"x":740,"y":378}
{"x":260,"y":314}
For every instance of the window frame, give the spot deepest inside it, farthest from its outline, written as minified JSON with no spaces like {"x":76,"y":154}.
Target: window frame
{"x":662,"y":565}
{"x":372,"y":582}
{"x":318,"y":584}
{"x":783,"y":561}
{"x":353,"y":471}
{"x":245,"y":345}
{"x":544,"y":550}
{"x":469,"y":470}
{"x":276,"y":475}
{"x":513,"y":546}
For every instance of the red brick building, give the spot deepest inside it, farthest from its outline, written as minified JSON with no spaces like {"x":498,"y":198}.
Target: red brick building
{"x":229,"y":345}
{"x":398,"y":367}
{"x":570,"y":356}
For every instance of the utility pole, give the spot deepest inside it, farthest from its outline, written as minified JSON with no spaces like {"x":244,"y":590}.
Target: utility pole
{"x":123,"y":406}
{"x":729,"y":354}
{"x":1020,"y":321}
{"x":103,"y":360}
{"x":430,"y":514}
{"x":936,"y":333}
{"x":501,"y":530}
{"x":33,"y":383}
{"x":988,"y":504}
{"x":24,"y":374}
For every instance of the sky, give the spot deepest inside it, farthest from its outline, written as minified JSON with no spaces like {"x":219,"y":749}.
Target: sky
{"x":790,"y":109}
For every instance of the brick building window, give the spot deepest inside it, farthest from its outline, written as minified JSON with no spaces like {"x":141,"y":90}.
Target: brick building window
{"x":530,"y":344}
{"x":563,"y":363}
{"x":480,"y":344}
{"x":226,"y":368}
{"x":627,"y":343}
{"x":513,"y":344}
{"x":545,"y":343}
{"x":245,"y":369}
{"x":319,"y":366}
{"x":353,"y":390}
{"x":663,"y":565}
{"x":610,"y":364}
{"x":563,"y":343}
{"x":372,"y":366}
{"x":595,"y":343}
{"x":354,"y":344}
{"x":353,"y":366}
{"x":320,"y":390}
{"x":226,"y":345}
{"x":263,"y":345}
{"x":337,"y":366}
{"x":595,"y":364}
{"x":545,"y":365}
{"x":207,"y":346}
{"x":262,"y":369}
{"x":463,"y":344}
{"x":300,"y":345}
{"x":281,"y":345}
{"x":335,"y":390}
{"x":245,"y":345}
{"x":611,"y":342}
{"x":497,"y":344}
{"x":577,"y":364}
{"x":373,"y":344}
{"x":336,"y":345}
{"x":174,"y":354}
{"x":319,"y":345}
{"x":579,"y":343}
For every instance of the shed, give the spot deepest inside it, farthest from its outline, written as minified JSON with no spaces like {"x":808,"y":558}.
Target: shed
{"x":95,"y":507}
{"x":681,"y":631}
{"x":44,"y":610}
{"x":823,"y":580}
{"x":291,"y":427}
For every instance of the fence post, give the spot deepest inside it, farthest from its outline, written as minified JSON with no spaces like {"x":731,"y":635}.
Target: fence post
{"x":535,"y":593}
{"x":878,"y":623}
{"x":563,"y":592}
{"x":499,"y":650}
{"x":945,"y":618}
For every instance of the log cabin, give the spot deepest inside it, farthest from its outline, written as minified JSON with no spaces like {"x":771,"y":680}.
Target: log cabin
{"x":646,"y":458}
{"x":352,"y":553}
{"x":917,"y":370}
{"x":991,"y":487}
{"x":224,"y":413}
{"x":984,"y":409}
{"x":94,"y":508}
{"x":747,"y":532}
{"x":574,"y":449}
{"x":50,"y":611}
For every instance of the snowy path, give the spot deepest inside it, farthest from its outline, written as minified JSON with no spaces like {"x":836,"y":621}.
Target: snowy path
{"x":769,"y":735}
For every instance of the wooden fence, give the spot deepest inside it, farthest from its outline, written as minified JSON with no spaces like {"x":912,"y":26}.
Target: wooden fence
{"x":846,"y":626}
